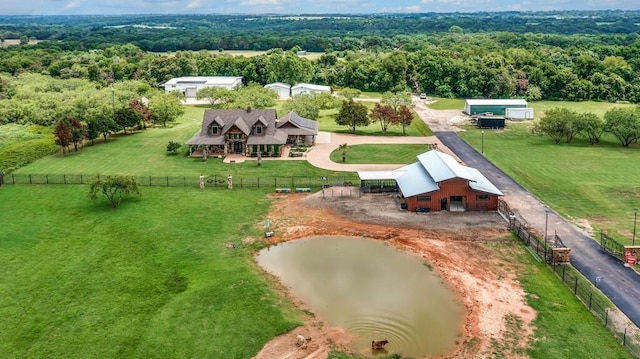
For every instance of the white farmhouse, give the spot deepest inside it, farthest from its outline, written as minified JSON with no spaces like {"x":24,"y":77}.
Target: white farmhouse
{"x":190,"y":85}
{"x":303,"y":88}
{"x":283,"y":90}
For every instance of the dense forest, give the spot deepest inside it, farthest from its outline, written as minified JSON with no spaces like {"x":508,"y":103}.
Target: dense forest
{"x":535,"y":55}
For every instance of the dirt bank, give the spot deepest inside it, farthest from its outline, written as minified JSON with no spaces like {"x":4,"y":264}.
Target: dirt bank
{"x":461,"y":247}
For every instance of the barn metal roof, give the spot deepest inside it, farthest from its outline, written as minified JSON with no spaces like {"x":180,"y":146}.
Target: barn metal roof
{"x":432,"y":167}
{"x":507,"y":102}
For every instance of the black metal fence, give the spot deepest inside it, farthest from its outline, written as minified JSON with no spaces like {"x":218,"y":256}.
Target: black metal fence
{"x":582,"y":288}
{"x":211,"y":181}
{"x":611,"y":246}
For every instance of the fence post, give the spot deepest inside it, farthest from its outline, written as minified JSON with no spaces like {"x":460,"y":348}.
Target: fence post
{"x":149,"y":180}
{"x":167,"y":181}
{"x":184,"y":181}
{"x":606,"y":317}
{"x":575,"y":287}
{"x":1,"y":178}
{"x":81,"y":180}
{"x":258,"y":181}
{"x":590,"y":297}
{"x":13,"y":178}
{"x":64,"y":179}
{"x":564,"y":269}
{"x":46,"y":178}
{"x":624,"y":338}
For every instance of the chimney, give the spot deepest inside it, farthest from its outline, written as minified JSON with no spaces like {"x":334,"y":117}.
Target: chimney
{"x":248,"y":109}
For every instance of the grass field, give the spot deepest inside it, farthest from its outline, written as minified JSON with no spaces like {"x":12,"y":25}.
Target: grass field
{"x":248,"y":53}
{"x":579,"y":181}
{"x":387,"y":153}
{"x":152,"y":279}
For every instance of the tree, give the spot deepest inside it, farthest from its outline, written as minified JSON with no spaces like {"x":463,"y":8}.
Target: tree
{"x":385,"y":115}
{"x":212,"y":94}
{"x":558,"y":123}
{"x":304,"y":105}
{"x":78,"y":132}
{"x":349,"y":93}
{"x":624,"y":124}
{"x":352,"y":114}
{"x":405,"y":117}
{"x":173,"y":147}
{"x":344,"y":148}
{"x":395,"y":100}
{"x":92,"y":132}
{"x":127,"y":117}
{"x":165,"y":108}
{"x":114,"y":188}
{"x":590,"y":125}
{"x":102,"y":124}
{"x":63,"y":134}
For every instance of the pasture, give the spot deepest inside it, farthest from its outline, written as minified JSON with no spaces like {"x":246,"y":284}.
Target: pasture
{"x":384,"y":153}
{"x":156,"y":278}
{"x":582,"y":182}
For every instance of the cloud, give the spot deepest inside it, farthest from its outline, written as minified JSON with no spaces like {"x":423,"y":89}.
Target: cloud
{"x":72,"y":4}
{"x":414,"y":8}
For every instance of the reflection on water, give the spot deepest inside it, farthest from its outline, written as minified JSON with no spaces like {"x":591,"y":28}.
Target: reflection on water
{"x":371,"y":290}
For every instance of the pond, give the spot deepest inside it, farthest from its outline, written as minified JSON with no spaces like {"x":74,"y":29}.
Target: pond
{"x":371,"y":290}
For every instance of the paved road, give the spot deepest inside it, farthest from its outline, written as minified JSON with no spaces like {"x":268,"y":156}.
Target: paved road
{"x":621,"y":284}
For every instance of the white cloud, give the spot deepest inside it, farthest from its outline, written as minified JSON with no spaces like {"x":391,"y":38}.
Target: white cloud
{"x":414,"y":8}
{"x":72,"y":4}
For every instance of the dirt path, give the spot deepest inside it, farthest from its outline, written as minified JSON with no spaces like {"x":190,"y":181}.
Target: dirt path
{"x":457,"y":245}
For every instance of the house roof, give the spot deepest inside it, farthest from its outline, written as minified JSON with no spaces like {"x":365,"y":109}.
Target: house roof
{"x":506,"y":102}
{"x":297,"y":126}
{"x":205,"y":80}
{"x":312,"y":87}
{"x":432,"y":168}
{"x":245,"y":120}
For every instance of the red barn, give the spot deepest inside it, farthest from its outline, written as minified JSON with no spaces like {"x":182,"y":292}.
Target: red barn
{"x":437,"y":182}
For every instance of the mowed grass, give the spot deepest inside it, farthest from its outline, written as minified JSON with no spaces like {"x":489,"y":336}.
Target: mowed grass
{"x":154,"y":278}
{"x":383,"y":153}
{"x":580,"y":181}
{"x":144,"y":154}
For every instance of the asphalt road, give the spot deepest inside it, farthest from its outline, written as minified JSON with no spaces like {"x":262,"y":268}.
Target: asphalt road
{"x":621,"y":284}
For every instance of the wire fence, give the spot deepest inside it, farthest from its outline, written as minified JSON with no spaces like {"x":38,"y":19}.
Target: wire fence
{"x":586,"y":291}
{"x":210,"y":181}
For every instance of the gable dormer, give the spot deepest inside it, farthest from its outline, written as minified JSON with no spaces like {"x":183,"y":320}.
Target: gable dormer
{"x":260,"y":126}
{"x":215,"y":127}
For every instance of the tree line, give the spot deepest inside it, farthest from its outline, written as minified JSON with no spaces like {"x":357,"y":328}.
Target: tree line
{"x":495,"y":65}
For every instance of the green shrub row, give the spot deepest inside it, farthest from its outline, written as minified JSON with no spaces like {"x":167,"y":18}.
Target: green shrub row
{"x":19,"y":154}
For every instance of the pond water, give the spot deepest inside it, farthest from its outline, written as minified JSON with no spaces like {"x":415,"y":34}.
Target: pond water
{"x":371,"y":290}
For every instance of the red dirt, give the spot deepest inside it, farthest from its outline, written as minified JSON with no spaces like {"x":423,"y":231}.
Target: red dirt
{"x":455,"y":244}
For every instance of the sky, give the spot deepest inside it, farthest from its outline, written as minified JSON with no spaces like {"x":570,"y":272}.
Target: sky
{"x":91,"y":7}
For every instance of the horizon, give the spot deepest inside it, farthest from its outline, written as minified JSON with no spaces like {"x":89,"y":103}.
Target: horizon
{"x":294,"y":7}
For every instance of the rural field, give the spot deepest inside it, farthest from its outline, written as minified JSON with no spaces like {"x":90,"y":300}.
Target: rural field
{"x":160,"y":277}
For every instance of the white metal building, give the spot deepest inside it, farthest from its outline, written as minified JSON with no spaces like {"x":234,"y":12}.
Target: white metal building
{"x":283,"y":90}
{"x":303,"y":88}
{"x":190,"y":85}
{"x":494,"y":106}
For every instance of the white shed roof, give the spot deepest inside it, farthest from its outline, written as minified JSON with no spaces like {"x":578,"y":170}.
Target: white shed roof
{"x":277,"y":84}
{"x":380,"y":175}
{"x":312,"y":87}
{"x":205,"y":80}
{"x":507,"y":102}
{"x":415,"y":180}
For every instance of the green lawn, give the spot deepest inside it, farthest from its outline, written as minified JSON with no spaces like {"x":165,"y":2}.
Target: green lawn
{"x":386,"y":153}
{"x":579,"y":181}
{"x":152,"y":279}
{"x":327,"y":122}
{"x":144,"y":154}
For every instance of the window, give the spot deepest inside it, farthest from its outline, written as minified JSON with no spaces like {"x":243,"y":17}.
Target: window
{"x":424,"y":198}
{"x":214,"y":130}
{"x":482,"y":197}
{"x":258,"y":130}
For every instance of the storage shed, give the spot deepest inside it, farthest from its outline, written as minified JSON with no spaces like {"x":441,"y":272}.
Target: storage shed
{"x":519,"y":114}
{"x":303,"y":88}
{"x":495,"y":107}
{"x":190,"y":85}
{"x":283,"y":90}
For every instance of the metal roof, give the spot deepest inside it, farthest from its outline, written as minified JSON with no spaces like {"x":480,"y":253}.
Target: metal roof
{"x":278,"y":84}
{"x":506,"y":102}
{"x":312,"y":87}
{"x":432,"y":167}
{"x":415,"y":180}
{"x":442,"y":167}
{"x":380,"y":175}
{"x":211,"y":80}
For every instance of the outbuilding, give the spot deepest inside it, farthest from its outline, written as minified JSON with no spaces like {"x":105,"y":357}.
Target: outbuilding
{"x":492,"y":106}
{"x":303,"y":88}
{"x":190,"y":85}
{"x":519,"y":114}
{"x":283,"y":90}
{"x":437,"y":182}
